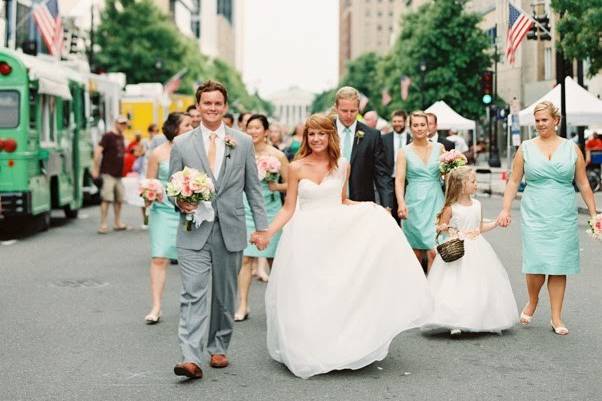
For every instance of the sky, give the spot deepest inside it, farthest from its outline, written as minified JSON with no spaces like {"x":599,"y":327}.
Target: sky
{"x":290,"y":42}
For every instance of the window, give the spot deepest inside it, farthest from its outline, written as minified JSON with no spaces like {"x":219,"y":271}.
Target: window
{"x":547,"y":63}
{"x":9,"y":109}
{"x":48,"y":119}
{"x":66,"y":114}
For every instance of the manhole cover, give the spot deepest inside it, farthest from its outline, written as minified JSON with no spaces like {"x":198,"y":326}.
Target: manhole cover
{"x":85,"y":283}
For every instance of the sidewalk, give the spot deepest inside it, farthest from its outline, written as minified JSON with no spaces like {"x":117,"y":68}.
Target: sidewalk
{"x":498,"y":184}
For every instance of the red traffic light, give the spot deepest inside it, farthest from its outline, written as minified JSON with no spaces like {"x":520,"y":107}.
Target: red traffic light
{"x":487,"y":83}
{"x":5,"y":68}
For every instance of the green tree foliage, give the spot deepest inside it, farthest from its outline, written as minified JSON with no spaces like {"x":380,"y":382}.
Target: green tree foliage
{"x":581,"y":30}
{"x":447,"y":40}
{"x":323,"y":101}
{"x":362,"y":74}
{"x":137,"y":39}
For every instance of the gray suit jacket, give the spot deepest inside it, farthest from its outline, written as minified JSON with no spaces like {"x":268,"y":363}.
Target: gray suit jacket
{"x":238,"y":174}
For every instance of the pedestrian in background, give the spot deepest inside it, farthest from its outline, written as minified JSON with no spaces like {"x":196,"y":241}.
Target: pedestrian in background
{"x":277,"y":136}
{"x":371,"y":119}
{"x":434,"y":136}
{"x":228,"y":120}
{"x":108,"y":165}
{"x":295,"y":142}
{"x":195,"y":116}
{"x":549,"y":222}
{"x":258,"y":129}
{"x":392,"y":144}
{"x":422,"y":198}
{"x":163,"y":218}
{"x":242,"y":121}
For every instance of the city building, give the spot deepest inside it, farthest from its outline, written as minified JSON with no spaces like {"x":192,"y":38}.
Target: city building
{"x":366,"y":26}
{"x":292,"y":105}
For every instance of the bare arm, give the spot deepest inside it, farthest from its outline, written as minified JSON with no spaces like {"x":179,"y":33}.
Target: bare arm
{"x":153,"y":165}
{"x":400,"y":182}
{"x":486,"y":226}
{"x":518,"y":165}
{"x":290,"y":203}
{"x":583,"y":184}
{"x":344,"y":196}
{"x":97,"y":158}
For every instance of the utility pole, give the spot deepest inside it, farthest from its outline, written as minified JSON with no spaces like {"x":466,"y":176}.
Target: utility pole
{"x":91,"y":60}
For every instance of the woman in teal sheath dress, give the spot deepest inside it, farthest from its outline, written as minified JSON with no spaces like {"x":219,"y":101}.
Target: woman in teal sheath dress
{"x":258,"y":129}
{"x":548,"y":211}
{"x":163,"y":218}
{"x":422,"y":199}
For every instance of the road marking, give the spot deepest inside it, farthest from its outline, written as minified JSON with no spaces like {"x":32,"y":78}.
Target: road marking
{"x":9,"y":242}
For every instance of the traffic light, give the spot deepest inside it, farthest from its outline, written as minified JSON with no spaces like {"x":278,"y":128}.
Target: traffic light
{"x":74,"y":43}
{"x":487,"y":86}
{"x":545,"y":23}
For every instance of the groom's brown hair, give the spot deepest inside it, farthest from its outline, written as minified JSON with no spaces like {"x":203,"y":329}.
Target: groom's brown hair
{"x":211,"y":86}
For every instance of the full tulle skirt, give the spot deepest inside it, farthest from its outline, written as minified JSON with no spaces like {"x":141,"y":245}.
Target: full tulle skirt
{"x":473,"y":293}
{"x":344,"y":283}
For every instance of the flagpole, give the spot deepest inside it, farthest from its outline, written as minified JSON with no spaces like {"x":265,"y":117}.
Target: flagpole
{"x":540,"y":26}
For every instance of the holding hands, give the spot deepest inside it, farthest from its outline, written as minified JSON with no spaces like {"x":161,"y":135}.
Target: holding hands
{"x":504,"y":218}
{"x":402,"y":211}
{"x":186,"y":207}
{"x":260,"y":239}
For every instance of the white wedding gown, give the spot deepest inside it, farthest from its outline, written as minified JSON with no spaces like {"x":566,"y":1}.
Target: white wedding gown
{"x":474,"y":292}
{"x":344,"y":283}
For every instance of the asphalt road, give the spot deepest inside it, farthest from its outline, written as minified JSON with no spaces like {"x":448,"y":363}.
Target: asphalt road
{"x":72,"y":304}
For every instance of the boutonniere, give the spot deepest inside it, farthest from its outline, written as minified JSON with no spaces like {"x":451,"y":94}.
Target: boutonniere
{"x":360,"y":134}
{"x":230,"y":142}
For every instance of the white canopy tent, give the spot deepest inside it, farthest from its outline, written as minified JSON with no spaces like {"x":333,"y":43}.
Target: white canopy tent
{"x":447,"y":118}
{"x":582,"y":107}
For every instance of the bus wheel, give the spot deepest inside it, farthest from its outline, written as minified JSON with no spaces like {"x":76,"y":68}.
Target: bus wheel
{"x":70,"y":213}
{"x":44,"y":221}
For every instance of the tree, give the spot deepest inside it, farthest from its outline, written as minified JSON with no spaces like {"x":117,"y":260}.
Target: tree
{"x":323,"y":101}
{"x":362,"y":74}
{"x":580,"y":29}
{"x":431,"y":36}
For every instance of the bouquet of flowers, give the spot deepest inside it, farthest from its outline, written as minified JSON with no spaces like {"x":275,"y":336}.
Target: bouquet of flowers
{"x":595,"y":227}
{"x":151,"y":190}
{"x":268,"y":168}
{"x":451,"y":160}
{"x":192,"y":186}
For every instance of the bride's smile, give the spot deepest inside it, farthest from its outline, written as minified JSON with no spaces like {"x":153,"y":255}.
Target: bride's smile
{"x":318,"y":140}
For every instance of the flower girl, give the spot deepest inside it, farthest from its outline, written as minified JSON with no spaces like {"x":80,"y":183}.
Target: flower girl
{"x":472,"y":293}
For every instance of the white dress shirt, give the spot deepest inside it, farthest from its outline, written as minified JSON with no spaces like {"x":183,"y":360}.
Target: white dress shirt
{"x":220,"y":145}
{"x":341,"y":128}
{"x":403,"y":137}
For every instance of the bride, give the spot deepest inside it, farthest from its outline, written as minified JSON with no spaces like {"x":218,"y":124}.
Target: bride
{"x":345,"y":281}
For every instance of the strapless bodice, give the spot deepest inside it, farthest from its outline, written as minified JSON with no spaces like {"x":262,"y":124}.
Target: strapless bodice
{"x":326,"y":194}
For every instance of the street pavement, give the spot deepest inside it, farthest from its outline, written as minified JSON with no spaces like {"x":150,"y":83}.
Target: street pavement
{"x":73,"y":302}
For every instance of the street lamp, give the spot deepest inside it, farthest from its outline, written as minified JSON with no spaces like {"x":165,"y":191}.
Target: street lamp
{"x":422,"y":72}
{"x":158,"y":69}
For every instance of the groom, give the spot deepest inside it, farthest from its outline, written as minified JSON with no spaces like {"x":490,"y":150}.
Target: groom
{"x":362,"y":146}
{"x":210,"y":256}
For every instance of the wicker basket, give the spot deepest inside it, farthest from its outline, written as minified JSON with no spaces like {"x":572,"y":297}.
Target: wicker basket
{"x":450,"y":250}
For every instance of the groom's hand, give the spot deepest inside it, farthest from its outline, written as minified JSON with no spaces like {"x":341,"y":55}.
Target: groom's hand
{"x":186,"y":207}
{"x":260,"y":240}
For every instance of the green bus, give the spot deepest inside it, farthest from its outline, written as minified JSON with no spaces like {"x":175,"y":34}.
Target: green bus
{"x":45,"y":143}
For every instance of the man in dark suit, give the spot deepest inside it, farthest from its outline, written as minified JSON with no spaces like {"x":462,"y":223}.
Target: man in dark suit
{"x":363,"y":147}
{"x":393,"y":143}
{"x":434,"y":135}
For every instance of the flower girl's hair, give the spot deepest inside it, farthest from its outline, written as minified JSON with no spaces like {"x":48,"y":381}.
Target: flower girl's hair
{"x":326,"y":125}
{"x":454,"y":185}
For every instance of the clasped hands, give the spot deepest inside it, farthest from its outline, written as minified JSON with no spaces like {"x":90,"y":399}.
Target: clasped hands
{"x":260,"y":239}
{"x":186,"y":207}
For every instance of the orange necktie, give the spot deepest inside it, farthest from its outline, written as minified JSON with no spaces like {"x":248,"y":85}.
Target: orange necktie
{"x":211,"y":152}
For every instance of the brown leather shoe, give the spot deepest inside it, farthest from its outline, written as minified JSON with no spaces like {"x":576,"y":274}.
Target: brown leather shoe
{"x":188,"y":369}
{"x":219,"y":361}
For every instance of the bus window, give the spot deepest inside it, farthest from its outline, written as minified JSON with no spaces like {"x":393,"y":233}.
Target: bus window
{"x":9,"y":109}
{"x":66,"y":114}
{"x":48,"y":120}
{"x":33,"y":102}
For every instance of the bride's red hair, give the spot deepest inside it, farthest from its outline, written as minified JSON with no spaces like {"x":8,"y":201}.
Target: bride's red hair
{"x":326,"y":125}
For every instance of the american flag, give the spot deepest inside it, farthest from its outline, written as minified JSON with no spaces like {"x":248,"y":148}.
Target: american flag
{"x":48,"y":20}
{"x":173,"y":84}
{"x":519,"y":24}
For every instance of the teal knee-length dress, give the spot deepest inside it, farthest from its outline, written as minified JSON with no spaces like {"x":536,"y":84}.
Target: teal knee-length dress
{"x":549,"y":211}
{"x":273,"y":204}
{"x":163,"y":221}
{"x":423,"y":197}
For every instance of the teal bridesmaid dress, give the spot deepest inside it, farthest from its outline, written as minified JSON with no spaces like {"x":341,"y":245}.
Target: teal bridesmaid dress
{"x":549,"y":211}
{"x":273,"y":203}
{"x":163,"y":221}
{"x":423,"y":197}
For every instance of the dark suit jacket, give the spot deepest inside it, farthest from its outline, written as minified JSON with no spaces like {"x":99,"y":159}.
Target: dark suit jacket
{"x":369,"y":168}
{"x":389,"y":153}
{"x":447,"y":144}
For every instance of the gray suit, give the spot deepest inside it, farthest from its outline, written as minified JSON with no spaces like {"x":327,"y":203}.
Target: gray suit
{"x":212,"y":254}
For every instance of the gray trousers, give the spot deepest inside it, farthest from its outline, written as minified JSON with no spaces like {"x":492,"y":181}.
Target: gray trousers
{"x":205,"y":320}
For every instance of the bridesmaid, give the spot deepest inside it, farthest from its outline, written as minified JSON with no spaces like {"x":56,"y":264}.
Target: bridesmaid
{"x":163,"y":218}
{"x":422,"y":200}
{"x":548,"y":211}
{"x":258,"y":129}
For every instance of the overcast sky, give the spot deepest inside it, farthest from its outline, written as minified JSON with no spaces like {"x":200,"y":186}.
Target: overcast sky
{"x":290,"y":42}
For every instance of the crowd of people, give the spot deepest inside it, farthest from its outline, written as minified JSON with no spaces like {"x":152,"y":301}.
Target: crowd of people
{"x":349,"y":229}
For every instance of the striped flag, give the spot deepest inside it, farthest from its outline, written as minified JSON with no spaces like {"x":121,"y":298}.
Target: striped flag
{"x":173,"y":84}
{"x":50,"y":26}
{"x":404,"y":87}
{"x":519,"y":24}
